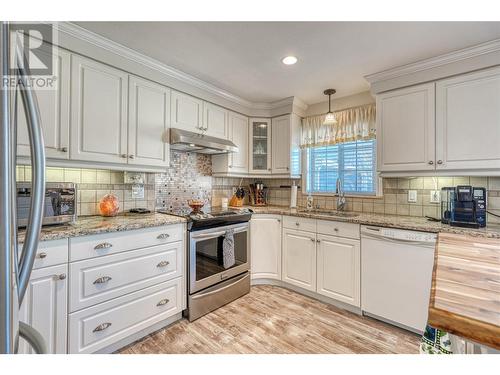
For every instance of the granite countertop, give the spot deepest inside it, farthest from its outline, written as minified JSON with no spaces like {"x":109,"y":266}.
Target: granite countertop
{"x":87,"y":225}
{"x":391,"y":221}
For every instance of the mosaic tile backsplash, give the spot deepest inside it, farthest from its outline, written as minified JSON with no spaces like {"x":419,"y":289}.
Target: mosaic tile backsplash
{"x":189,"y":177}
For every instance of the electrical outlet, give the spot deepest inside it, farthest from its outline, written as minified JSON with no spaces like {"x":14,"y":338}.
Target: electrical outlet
{"x":234,"y":190}
{"x":435,"y":198}
{"x":412,"y":196}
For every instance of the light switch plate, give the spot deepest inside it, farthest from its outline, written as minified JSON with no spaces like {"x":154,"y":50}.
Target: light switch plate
{"x":412,"y":196}
{"x":434,"y":198}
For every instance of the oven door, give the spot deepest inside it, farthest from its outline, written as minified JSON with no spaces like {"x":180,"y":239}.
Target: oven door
{"x":206,"y":256}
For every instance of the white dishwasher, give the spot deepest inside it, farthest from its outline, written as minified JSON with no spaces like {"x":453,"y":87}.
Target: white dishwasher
{"x":396,"y":275}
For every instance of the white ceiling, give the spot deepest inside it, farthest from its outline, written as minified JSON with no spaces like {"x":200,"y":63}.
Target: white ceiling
{"x":244,"y":58}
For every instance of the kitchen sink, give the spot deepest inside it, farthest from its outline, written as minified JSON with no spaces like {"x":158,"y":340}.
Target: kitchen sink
{"x":329,"y":212}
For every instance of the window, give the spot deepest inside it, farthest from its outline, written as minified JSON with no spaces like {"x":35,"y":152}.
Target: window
{"x":352,"y":162}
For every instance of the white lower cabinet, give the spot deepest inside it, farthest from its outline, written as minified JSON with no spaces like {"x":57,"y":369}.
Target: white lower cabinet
{"x":265,"y":244}
{"x":45,"y":307}
{"x":102,"y":325}
{"x":299,"y":258}
{"x":338,"y":268}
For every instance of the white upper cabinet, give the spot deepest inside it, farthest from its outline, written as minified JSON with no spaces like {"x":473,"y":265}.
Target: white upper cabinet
{"x":285,"y":134}
{"x":215,"y":121}
{"x":265,"y":245}
{"x":405,"y":129}
{"x":235,"y":163}
{"x":54,"y":110}
{"x":260,"y":146}
{"x":99,"y":112}
{"x":280,"y":130}
{"x":338,"y":269}
{"x":187,"y":112}
{"x":468,"y":121}
{"x":45,"y":307}
{"x":299,"y":259}
{"x":149,"y":119}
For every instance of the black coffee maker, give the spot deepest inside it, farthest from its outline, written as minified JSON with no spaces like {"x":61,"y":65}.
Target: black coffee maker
{"x":463,"y":206}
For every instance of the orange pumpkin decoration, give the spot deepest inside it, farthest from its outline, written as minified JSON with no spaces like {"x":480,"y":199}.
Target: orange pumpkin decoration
{"x":109,"y":205}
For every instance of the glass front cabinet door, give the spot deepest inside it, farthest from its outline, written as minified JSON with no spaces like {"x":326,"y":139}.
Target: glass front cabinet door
{"x":260,"y":145}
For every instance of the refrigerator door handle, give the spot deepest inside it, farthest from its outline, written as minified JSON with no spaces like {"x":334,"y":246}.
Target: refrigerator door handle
{"x":37,"y":152}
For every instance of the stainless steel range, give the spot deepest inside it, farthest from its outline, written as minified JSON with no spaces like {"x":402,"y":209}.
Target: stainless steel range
{"x":211,"y":282}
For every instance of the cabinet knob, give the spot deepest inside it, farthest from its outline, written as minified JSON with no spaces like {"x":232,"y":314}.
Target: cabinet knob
{"x":297,"y":223}
{"x":440,"y":162}
{"x":104,"y":245}
{"x":63,"y":149}
{"x":102,"y":280}
{"x":102,"y":327}
{"x":163,"y":263}
{"x":431,"y":162}
{"x":42,"y":255}
{"x":131,"y":156}
{"x":318,"y":241}
{"x":313,"y":240}
{"x":229,"y":166}
{"x":287,"y":168}
{"x":336,"y":229}
{"x":62,"y":276}
{"x":124,"y":156}
{"x":163,"y":302}
{"x":279,"y":220}
{"x":269,"y":169}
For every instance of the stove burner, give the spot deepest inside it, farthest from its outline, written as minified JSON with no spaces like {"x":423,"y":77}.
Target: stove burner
{"x":204,"y":220}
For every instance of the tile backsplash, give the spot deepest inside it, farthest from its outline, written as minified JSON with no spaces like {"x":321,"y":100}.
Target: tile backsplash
{"x":394,"y":200}
{"x":93,"y":184}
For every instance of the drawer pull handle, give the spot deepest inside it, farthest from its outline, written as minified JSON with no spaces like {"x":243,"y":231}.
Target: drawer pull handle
{"x":102,"y":327}
{"x":297,"y":223}
{"x":42,"y":255}
{"x":102,"y":280}
{"x":62,"y":276}
{"x":104,"y":245}
{"x":163,"y":302}
{"x":336,"y":229}
{"x":163,"y":263}
{"x":163,"y":236}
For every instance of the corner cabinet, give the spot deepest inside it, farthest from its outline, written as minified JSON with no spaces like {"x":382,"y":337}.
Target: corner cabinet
{"x":468,"y":122}
{"x":99,"y":96}
{"x":260,"y":146}
{"x":149,"y":119}
{"x":234,"y":164}
{"x":265,"y":244}
{"x":405,"y":129}
{"x":54,"y":107}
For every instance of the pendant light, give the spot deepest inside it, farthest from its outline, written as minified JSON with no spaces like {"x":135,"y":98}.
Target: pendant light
{"x":330,"y":117}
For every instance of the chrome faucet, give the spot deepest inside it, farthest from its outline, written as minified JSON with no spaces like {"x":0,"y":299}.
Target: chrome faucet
{"x":340,"y":196}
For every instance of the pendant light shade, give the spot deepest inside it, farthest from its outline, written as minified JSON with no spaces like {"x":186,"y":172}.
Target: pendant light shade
{"x":330,"y":117}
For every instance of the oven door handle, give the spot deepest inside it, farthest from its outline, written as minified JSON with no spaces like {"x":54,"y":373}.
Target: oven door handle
{"x":217,"y":234}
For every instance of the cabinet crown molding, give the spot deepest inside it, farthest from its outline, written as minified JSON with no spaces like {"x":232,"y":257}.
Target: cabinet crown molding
{"x":97,"y":40}
{"x":492,"y":46}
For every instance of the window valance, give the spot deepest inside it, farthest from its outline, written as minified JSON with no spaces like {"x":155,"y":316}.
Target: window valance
{"x":352,"y":124}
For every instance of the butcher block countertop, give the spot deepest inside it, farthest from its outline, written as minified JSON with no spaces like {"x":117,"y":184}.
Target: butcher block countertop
{"x":465,"y":294}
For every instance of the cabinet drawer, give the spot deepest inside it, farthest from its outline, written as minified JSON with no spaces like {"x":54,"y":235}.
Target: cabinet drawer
{"x":111,"y":243}
{"x":94,"y":281}
{"x":50,"y":253}
{"x":300,"y":223}
{"x":102,"y":325}
{"x":337,"y":228}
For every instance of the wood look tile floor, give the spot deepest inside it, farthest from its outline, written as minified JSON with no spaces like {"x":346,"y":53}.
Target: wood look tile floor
{"x":275,"y":320}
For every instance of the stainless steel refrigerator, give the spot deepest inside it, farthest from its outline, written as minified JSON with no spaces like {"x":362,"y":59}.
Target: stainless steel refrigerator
{"x":16,"y":263}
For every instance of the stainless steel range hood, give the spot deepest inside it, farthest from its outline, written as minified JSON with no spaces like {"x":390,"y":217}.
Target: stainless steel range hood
{"x":183,"y":140}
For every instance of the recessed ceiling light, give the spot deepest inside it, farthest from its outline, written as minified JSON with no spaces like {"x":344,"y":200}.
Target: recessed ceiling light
{"x":289,"y":60}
